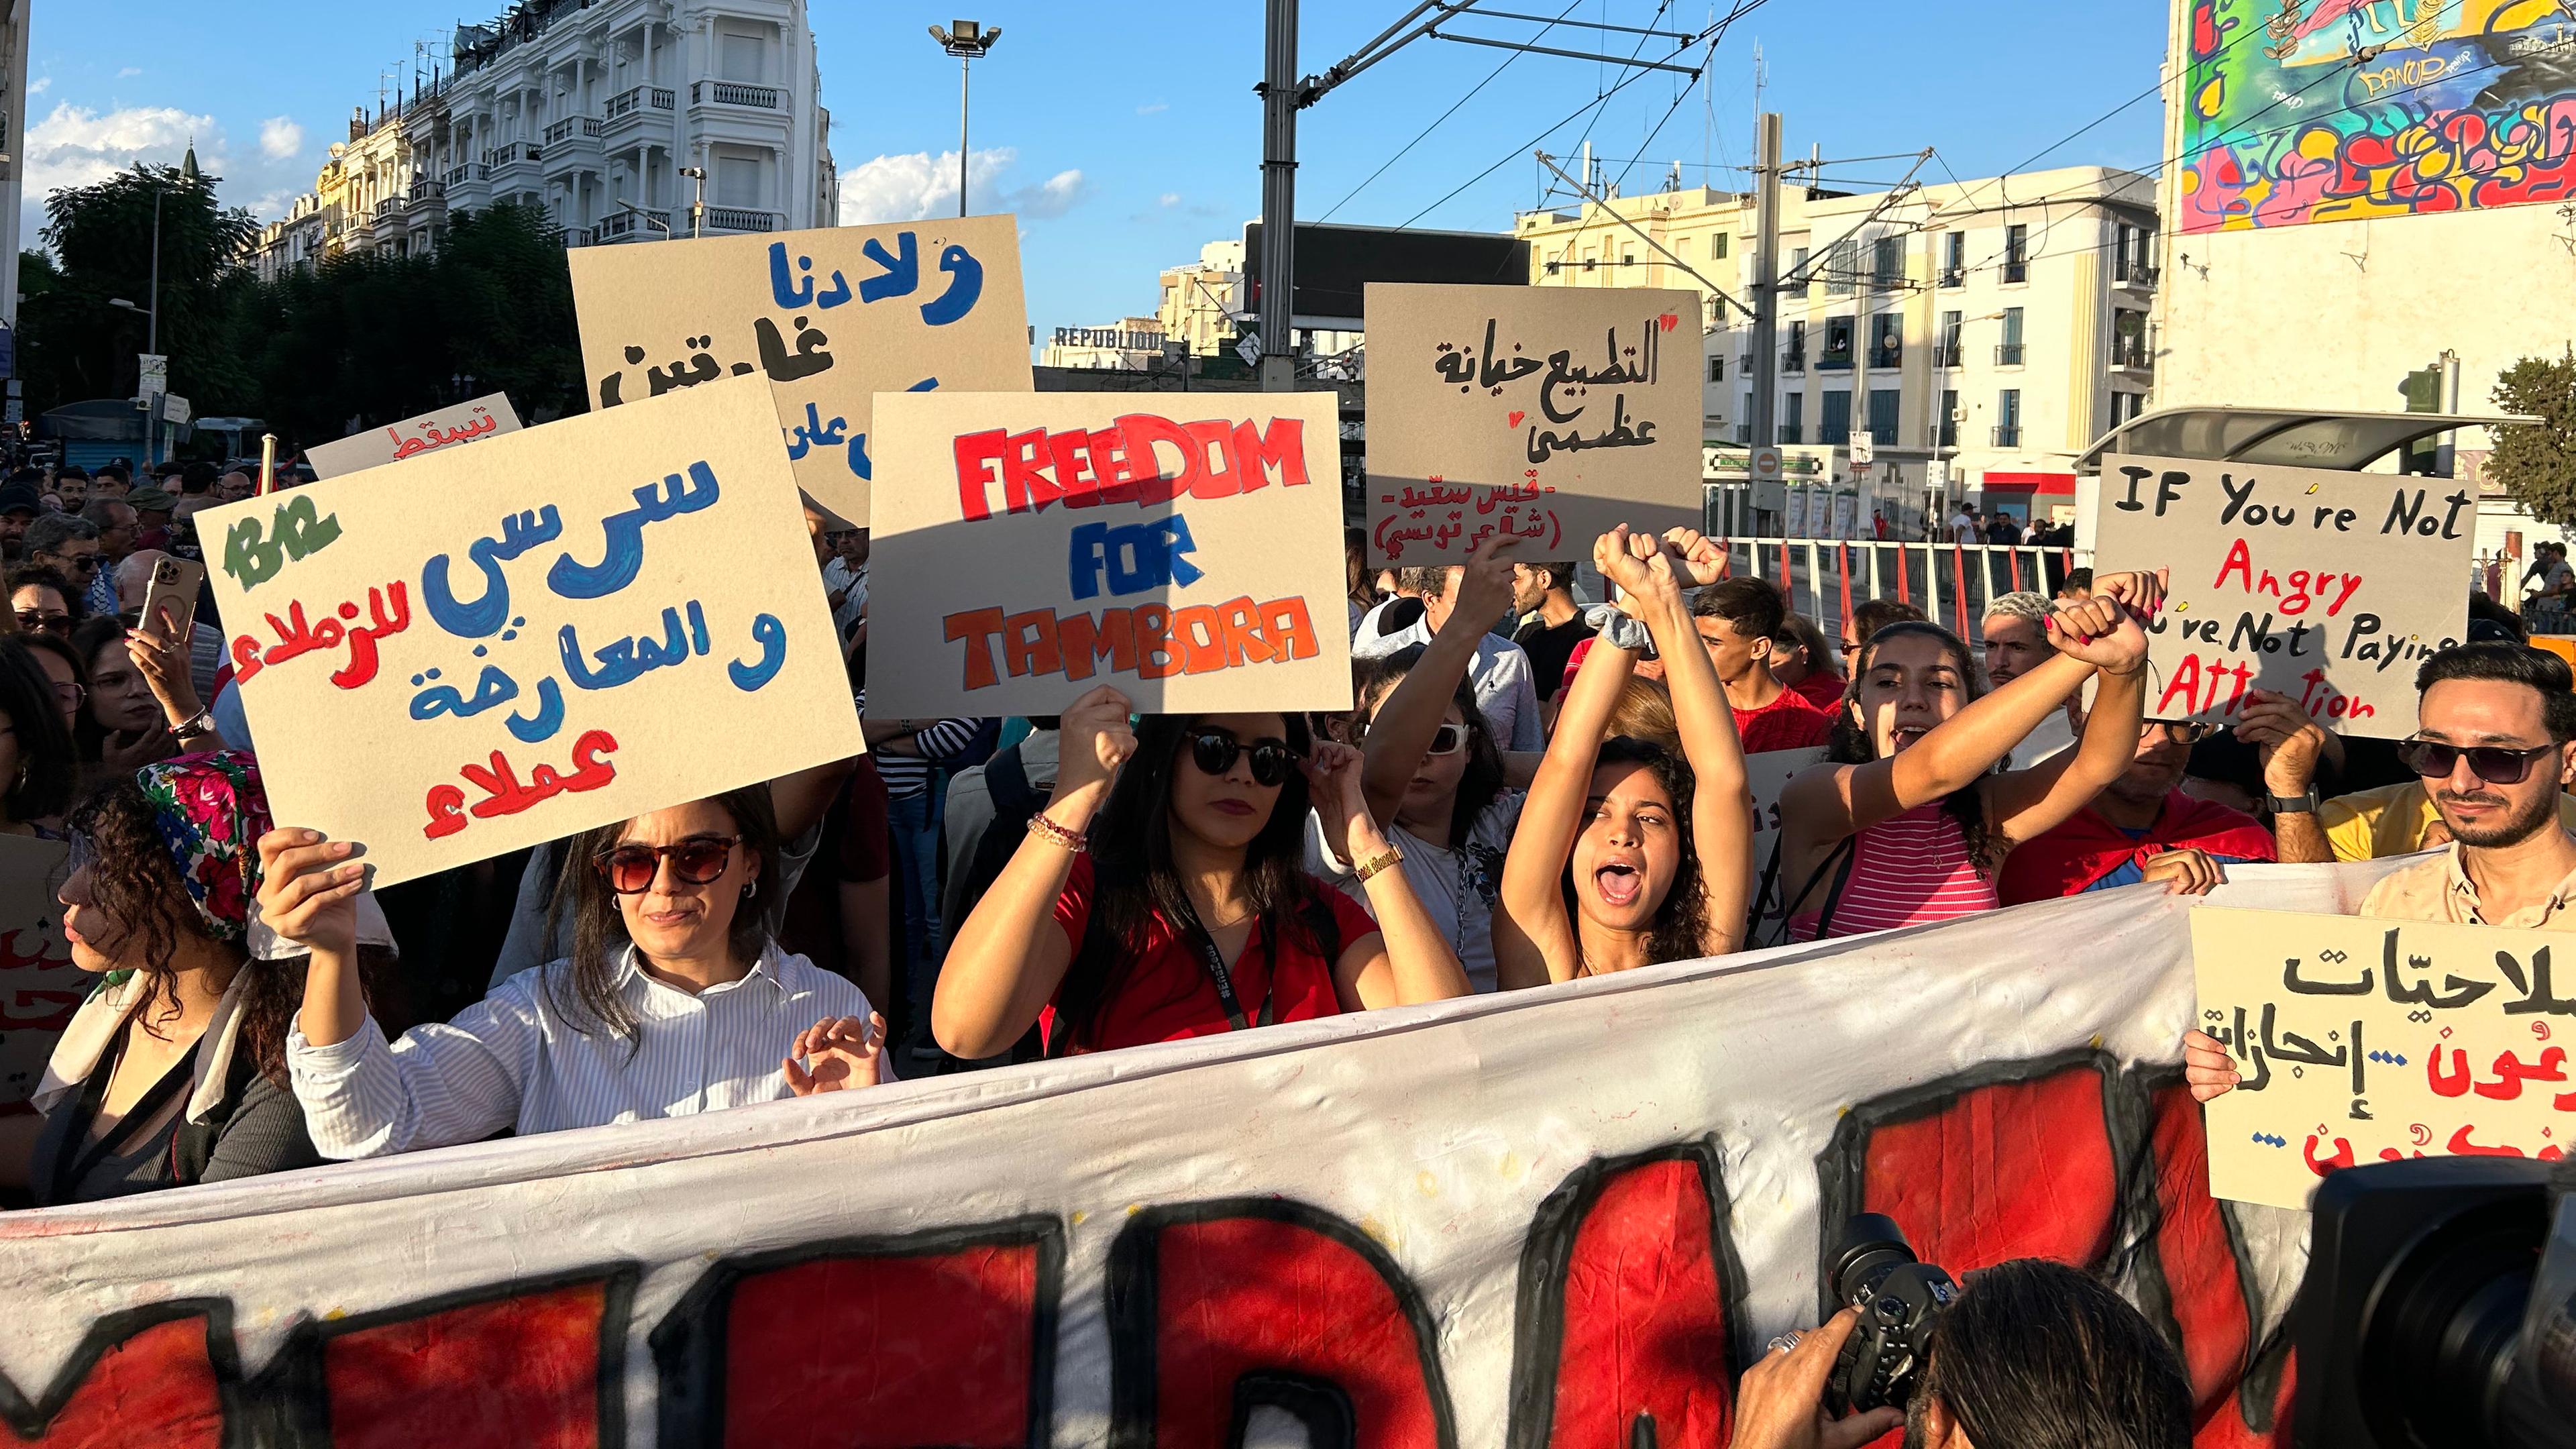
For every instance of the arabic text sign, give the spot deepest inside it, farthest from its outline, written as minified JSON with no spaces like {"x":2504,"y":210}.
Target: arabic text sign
{"x":484,"y":417}
{"x":832,"y":317}
{"x":2323,"y":585}
{"x":565,"y":627}
{"x":1547,"y":413}
{"x":2360,"y":1040}
{"x":1185,"y":549}
{"x":40,"y":988}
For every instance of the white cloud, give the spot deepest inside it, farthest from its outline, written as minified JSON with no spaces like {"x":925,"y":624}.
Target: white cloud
{"x":1171,"y":198}
{"x":1151,"y":109}
{"x":919,"y":185}
{"x":280,"y":138}
{"x":40,"y":85}
{"x":129,"y":72}
{"x":76,"y":146}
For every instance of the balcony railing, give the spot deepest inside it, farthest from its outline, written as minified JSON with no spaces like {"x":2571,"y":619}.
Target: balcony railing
{"x":1793,"y":362}
{"x":1834,"y":359}
{"x":2141,"y":279}
{"x":1946,"y":354}
{"x":2128,"y":360}
{"x":573,"y":236}
{"x":2009,"y":354}
{"x":621,"y":225}
{"x":730,"y":93}
{"x":1887,"y":356}
{"x":635,"y":100}
{"x":1792,"y":433}
{"x":512,"y":154}
{"x":388,"y":207}
{"x":569,"y":127}
{"x":469,"y":172}
{"x":2016,"y":270}
{"x":734,"y":218}
{"x":1954,"y":276}
{"x":427,"y":190}
{"x":2007,"y":435}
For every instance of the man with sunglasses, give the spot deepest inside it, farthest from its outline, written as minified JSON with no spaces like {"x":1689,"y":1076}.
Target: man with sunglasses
{"x":68,"y":544}
{"x":2141,"y":828}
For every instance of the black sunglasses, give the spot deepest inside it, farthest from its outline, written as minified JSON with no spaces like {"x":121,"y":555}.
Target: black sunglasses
{"x":697,"y":860}
{"x":1215,"y":753}
{"x":44,"y":623}
{"x":1449,"y":739}
{"x":2495,"y":764}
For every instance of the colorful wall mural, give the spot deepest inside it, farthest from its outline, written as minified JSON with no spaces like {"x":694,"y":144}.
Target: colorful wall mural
{"x":2330,"y":110}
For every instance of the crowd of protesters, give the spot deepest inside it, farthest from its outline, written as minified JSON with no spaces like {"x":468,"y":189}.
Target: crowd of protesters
{"x":1534,"y":785}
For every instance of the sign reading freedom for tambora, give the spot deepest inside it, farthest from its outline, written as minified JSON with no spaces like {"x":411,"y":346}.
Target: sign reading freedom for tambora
{"x":484,"y":417}
{"x":553,"y":630}
{"x":2363,"y":1040}
{"x":1547,"y":413}
{"x":2320,"y":584}
{"x":831,"y":317}
{"x":1186,"y":549}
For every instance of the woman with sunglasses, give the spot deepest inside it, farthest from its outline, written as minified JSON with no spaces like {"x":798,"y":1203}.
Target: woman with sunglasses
{"x":674,"y":1001}
{"x":43,"y":601}
{"x":1627,"y":856}
{"x":39,"y":767}
{"x":1170,"y":899}
{"x":1908,"y":820}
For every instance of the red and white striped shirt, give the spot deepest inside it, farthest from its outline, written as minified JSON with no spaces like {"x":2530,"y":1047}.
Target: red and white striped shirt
{"x":1911,"y":870}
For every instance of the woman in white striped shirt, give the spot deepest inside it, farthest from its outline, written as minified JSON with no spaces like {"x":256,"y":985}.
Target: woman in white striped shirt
{"x":674,"y":1001}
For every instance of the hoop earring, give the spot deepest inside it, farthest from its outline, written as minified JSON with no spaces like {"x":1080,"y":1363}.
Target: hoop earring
{"x":750,"y":888}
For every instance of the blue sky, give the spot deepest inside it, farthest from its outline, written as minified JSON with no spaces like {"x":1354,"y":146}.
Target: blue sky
{"x":1126,"y":134}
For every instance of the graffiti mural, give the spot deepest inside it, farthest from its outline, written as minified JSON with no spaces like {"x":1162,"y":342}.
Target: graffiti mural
{"x":2331,"y":110}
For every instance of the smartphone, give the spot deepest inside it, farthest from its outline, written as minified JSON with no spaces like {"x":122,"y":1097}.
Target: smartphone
{"x":172,"y":590}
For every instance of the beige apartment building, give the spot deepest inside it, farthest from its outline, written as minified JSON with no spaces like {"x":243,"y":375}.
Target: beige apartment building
{"x":1979,"y":335}
{"x":1200,"y":299}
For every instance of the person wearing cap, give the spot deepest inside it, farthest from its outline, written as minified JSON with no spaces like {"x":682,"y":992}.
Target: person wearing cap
{"x":152,"y":508}
{"x":20,"y":504}
{"x":174,"y":1071}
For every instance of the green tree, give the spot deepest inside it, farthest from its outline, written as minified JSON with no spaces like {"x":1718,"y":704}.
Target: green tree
{"x":73,"y":344}
{"x":2537,"y":464}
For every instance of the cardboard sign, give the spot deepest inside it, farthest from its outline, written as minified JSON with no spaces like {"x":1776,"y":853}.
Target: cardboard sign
{"x":2323,"y":585}
{"x":484,"y":417}
{"x":2364,"y":1040}
{"x":1185,"y":549}
{"x":1547,"y":413}
{"x":569,"y":626}
{"x":40,"y":988}
{"x":831,"y":317}
{"x":1541,"y":1218}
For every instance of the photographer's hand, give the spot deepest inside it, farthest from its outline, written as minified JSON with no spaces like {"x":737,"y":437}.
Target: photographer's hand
{"x":1779,"y":1404}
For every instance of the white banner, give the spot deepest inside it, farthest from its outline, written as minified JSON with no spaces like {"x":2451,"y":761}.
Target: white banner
{"x":1525,"y":1220}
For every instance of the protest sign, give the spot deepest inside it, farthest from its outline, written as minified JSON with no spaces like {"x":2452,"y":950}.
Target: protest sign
{"x":1530,"y":1219}
{"x":2323,"y":585}
{"x":831,"y":317}
{"x":1547,"y":413}
{"x":40,"y":988}
{"x":565,"y":627}
{"x":1031,"y":546}
{"x":484,"y":417}
{"x":2366,"y":1040}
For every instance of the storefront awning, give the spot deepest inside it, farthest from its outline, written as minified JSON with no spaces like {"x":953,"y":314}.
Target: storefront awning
{"x":2277,"y":437}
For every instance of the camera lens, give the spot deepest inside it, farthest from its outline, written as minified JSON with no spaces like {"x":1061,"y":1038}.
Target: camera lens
{"x":2440,"y":1337}
{"x":1871,"y":1244}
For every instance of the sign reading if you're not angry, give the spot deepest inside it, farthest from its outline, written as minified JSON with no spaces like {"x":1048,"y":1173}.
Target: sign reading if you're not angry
{"x":1030,"y":546}
{"x":830,"y":317}
{"x":2323,"y":585}
{"x":1550,"y":414}
{"x":556,"y":629}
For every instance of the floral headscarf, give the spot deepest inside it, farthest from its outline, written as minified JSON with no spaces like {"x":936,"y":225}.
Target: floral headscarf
{"x":212,"y":810}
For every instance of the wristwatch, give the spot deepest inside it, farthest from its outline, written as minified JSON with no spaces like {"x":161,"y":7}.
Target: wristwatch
{"x":2301,"y":804}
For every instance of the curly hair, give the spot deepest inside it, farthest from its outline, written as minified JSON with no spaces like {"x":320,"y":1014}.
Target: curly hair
{"x":1852,"y":743}
{"x":1680,"y":930}
{"x":48,"y":762}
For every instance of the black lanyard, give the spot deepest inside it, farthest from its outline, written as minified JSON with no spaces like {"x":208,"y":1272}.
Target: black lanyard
{"x":1224,"y":979}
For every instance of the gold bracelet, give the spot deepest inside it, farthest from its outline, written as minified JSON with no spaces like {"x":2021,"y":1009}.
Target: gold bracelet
{"x":1373,"y":865}
{"x":1054,"y":834}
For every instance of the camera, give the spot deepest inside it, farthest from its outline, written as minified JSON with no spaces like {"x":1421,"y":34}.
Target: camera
{"x":2439,"y":1307}
{"x":1899,"y":1297}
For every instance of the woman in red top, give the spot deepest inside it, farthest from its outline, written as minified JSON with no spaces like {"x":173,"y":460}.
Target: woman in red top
{"x":1198,"y":916}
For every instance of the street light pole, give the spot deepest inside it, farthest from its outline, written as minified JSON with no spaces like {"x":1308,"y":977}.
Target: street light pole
{"x":152,"y":330}
{"x":969,"y":41}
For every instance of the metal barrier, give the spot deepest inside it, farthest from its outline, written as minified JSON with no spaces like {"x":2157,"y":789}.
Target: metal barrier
{"x":1951,"y":583}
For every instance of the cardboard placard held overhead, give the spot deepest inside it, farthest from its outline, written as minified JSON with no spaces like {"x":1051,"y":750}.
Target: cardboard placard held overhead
{"x":2361,"y":1040}
{"x":1186,"y":549}
{"x":40,"y":988}
{"x":484,"y":417}
{"x":831,"y":317}
{"x":1548,"y":413}
{"x":2324,"y":585}
{"x":569,"y":626}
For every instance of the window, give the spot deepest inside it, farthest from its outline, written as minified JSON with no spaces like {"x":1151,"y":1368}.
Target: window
{"x":1954,"y":258}
{"x":1838,"y":343}
{"x":1887,"y":262}
{"x":2129,"y":339}
{"x":1717,"y":247}
{"x":2017,"y":253}
{"x":1716,"y":369}
{"x":1882,"y":414}
{"x":1886,"y":340}
{"x":738,"y":179}
{"x":740,"y":57}
{"x":1627,"y":256}
{"x":2009,"y":352}
{"x":1835,"y":427}
{"x":1793,"y":418}
{"x":1947,"y":354}
{"x":1795,"y":359}
{"x":2126,"y":405}
{"x":2120,"y":255}
{"x":1798,"y":267}
{"x":2008,"y":415}
{"x":1842,"y":264}
{"x":1949,"y":417}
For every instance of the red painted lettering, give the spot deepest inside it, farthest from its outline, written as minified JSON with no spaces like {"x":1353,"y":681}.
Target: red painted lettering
{"x":1083,"y":643}
{"x":976,"y":628}
{"x":1280,"y":451}
{"x":1029,"y":644}
{"x":977,"y":453}
{"x":1212,"y":461}
{"x":1024,"y":481}
{"x":140,"y":1377}
{"x":1072,"y":454}
{"x":531,"y":1360}
{"x":1157,"y":657}
{"x":1154,"y":486}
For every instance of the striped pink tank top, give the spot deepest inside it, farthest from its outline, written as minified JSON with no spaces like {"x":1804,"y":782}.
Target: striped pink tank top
{"x":1911,"y":870}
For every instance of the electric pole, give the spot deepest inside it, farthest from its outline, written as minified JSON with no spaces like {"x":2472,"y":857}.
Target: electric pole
{"x":1766,"y":280}
{"x":1279,"y":100}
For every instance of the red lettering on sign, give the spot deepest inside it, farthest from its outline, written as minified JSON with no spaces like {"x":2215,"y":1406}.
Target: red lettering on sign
{"x":1218,"y":1307}
{"x":1150,"y":641}
{"x":977,"y":454}
{"x":2016,"y":1168}
{"x":141,"y":1377}
{"x":532,"y":1369}
{"x":1281,"y":451}
{"x":1208,"y":458}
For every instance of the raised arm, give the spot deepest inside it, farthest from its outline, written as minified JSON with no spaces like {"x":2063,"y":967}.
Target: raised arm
{"x":1407,"y":959}
{"x":1721,"y":796}
{"x":1405,"y":722}
{"x":1009,"y":955}
{"x":2104,"y":633}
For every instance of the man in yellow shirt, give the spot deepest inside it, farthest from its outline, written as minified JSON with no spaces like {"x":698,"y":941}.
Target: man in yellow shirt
{"x":2397,"y":820}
